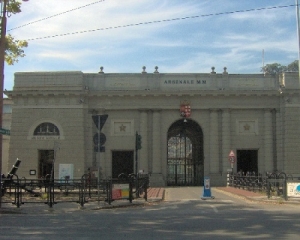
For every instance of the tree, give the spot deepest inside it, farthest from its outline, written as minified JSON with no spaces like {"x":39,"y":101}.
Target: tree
{"x":13,"y":47}
{"x":293,"y":67}
{"x":275,"y":68}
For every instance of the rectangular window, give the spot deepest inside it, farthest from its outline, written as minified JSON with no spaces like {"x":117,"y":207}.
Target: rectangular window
{"x":7,"y":108}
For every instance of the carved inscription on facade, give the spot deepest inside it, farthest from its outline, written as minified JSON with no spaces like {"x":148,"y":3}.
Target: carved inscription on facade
{"x":183,"y":83}
{"x":45,"y":137}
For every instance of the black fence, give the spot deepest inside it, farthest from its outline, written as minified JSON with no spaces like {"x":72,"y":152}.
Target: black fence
{"x":248,"y":181}
{"x":19,"y":191}
{"x":272,"y":184}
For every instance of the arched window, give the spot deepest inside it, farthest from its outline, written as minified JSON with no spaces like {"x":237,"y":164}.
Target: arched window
{"x":46,"y":129}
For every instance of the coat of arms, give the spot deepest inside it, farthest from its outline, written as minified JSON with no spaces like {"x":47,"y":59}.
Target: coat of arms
{"x":185,"y":109}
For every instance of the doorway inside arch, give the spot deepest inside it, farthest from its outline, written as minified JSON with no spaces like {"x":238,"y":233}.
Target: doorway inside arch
{"x":185,"y":163}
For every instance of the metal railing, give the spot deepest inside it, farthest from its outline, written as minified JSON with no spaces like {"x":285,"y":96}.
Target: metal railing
{"x":19,"y":191}
{"x":248,"y":181}
{"x":272,"y":184}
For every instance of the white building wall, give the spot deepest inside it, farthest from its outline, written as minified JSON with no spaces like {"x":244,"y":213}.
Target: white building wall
{"x":235,"y":112}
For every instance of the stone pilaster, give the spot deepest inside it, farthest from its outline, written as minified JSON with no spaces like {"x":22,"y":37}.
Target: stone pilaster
{"x":156,"y":136}
{"x":143,"y":153}
{"x":268,"y":141}
{"x":279,"y":140}
{"x":225,"y":139}
{"x":214,"y":142}
{"x":156,"y":177}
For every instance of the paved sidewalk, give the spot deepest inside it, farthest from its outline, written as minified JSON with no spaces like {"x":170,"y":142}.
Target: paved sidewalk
{"x":256,"y":196}
{"x":241,"y":192}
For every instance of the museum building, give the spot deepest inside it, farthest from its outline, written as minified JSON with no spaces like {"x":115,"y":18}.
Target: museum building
{"x":185,"y":124}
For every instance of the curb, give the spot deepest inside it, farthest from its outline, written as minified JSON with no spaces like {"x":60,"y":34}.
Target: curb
{"x":260,"y":199}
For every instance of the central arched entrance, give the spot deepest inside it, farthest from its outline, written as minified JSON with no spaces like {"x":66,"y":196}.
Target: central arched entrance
{"x":185,"y":154}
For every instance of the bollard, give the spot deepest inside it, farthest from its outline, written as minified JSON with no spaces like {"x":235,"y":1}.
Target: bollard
{"x":206,"y":189}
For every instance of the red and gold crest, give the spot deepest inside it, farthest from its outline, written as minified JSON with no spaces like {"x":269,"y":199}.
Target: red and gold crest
{"x":185,"y":109}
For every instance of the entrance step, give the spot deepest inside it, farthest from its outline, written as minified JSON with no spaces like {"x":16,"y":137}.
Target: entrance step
{"x":156,"y":180}
{"x":155,"y":193}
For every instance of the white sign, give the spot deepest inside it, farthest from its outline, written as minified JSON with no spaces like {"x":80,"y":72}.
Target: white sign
{"x":66,"y":170}
{"x":293,"y":189}
{"x":207,"y":183}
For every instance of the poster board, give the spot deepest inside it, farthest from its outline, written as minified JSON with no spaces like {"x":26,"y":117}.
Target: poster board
{"x":120,"y":191}
{"x":66,"y":170}
{"x":293,"y":189}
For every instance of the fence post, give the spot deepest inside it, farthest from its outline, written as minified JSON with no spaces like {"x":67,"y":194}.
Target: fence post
{"x":130,"y":190}
{"x":146,"y":188}
{"x":109,"y":190}
{"x":285,"y":189}
{"x":268,"y":189}
{"x":18,"y":192}
{"x":82,"y":190}
{"x":137,"y":187}
{"x":50,"y":192}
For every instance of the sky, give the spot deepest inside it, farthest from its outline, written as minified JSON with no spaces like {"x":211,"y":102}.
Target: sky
{"x":178,"y":36}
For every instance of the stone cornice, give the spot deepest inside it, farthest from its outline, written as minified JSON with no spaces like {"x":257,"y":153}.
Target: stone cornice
{"x":44,"y":93}
{"x":150,"y":93}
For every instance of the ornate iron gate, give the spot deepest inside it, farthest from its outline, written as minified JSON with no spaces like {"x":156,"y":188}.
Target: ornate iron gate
{"x":185,"y":154}
{"x":180,"y":164}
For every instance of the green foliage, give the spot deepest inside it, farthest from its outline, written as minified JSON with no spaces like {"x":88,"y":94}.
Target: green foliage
{"x":275,"y":68}
{"x":14,"y":7}
{"x":293,"y":67}
{"x":14,"y":48}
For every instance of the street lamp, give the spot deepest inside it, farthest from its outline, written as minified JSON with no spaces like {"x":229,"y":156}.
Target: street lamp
{"x":4,"y":4}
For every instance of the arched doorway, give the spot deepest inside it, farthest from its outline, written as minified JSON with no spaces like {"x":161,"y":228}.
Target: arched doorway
{"x":185,"y":154}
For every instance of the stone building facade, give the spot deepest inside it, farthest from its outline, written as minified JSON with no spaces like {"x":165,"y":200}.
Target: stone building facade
{"x":188,"y":124}
{"x":6,"y":121}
